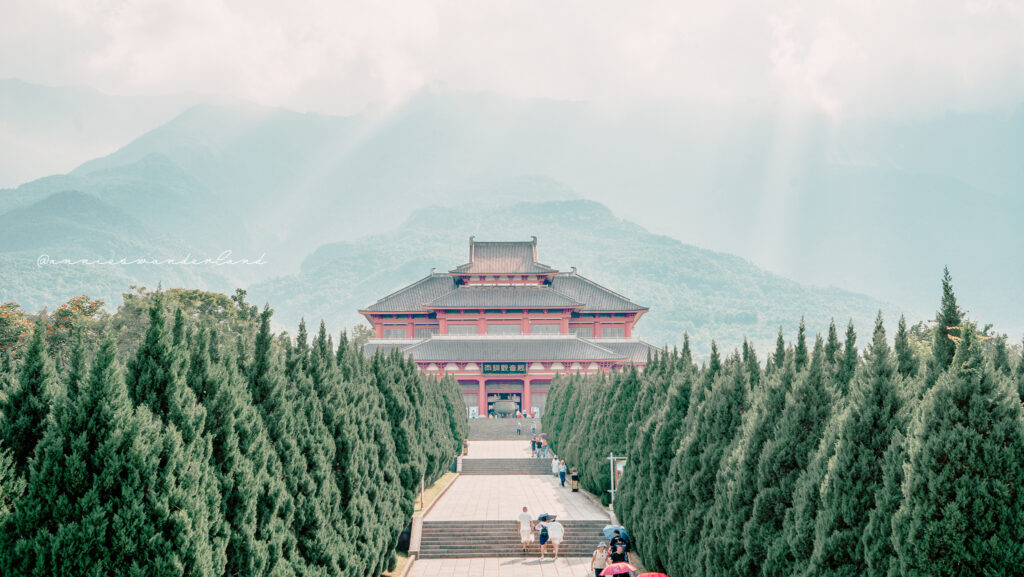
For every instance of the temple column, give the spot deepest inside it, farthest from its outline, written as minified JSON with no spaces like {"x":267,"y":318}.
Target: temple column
{"x":527,"y":399}
{"x":481,"y":397}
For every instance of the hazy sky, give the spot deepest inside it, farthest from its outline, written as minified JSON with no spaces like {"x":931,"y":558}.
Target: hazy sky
{"x":847,"y":58}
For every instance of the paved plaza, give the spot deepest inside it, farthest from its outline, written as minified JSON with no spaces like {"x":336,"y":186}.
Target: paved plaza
{"x":504,"y":567}
{"x":501,"y":498}
{"x":499,"y":449}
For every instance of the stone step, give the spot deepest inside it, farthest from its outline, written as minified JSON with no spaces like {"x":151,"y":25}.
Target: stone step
{"x":476,"y":539}
{"x":506,"y":467}
{"x":500,"y":429}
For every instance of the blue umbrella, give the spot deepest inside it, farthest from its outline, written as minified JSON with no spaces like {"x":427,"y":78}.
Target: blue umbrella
{"x":609,"y":531}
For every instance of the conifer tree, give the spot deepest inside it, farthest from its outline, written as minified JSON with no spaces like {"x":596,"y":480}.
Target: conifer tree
{"x":847,"y":366}
{"x":155,"y":379}
{"x":784,"y":457}
{"x":907,"y":363}
{"x":305,"y":469}
{"x":24,"y":409}
{"x":800,"y":350}
{"x":963,"y":504}
{"x":11,"y":485}
{"x":254,"y":500}
{"x":1020,"y":376}
{"x":1001,"y":356}
{"x":722,"y":551}
{"x":943,"y":348}
{"x":832,"y":345}
{"x":798,"y":524}
{"x":854,"y":472}
{"x":777,"y":360}
{"x":77,"y":373}
{"x":695,"y":465}
{"x":111,"y":492}
{"x":879,"y":556}
{"x":650,"y":538}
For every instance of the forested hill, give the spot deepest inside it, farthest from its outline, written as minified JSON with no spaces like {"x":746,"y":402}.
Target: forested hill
{"x":708,"y":294}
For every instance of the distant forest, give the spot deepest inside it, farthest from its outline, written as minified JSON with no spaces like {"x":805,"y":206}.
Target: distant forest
{"x":826,"y":461}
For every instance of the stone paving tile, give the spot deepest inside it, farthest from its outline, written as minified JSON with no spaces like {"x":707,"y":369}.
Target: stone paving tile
{"x":501,"y":497}
{"x":499,"y":449}
{"x":503,"y":567}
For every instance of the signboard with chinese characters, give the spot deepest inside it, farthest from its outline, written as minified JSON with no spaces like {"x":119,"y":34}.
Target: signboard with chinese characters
{"x":504,"y":368}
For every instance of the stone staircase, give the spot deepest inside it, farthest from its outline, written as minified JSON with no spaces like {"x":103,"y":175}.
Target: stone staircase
{"x":463,"y":539}
{"x":500,"y":429}
{"x":506,"y":466}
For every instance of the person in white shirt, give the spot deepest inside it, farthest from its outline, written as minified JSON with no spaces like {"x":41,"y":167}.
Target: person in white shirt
{"x":525,"y":528}
{"x":555,"y":533}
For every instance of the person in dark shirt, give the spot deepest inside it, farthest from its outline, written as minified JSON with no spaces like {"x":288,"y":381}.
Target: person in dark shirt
{"x":618,"y":554}
{"x":618,"y":539}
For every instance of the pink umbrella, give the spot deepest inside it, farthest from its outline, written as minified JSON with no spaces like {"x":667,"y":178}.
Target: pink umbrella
{"x":652,"y":575}
{"x":618,"y":569}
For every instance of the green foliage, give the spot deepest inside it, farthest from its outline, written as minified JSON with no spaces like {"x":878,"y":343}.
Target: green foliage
{"x":963,"y":507}
{"x":907,"y":362}
{"x":947,"y":320}
{"x":25,"y":408}
{"x":854,"y":472}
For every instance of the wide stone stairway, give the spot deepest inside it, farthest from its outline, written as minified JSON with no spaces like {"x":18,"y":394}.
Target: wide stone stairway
{"x":501,"y":429}
{"x":471,"y":530}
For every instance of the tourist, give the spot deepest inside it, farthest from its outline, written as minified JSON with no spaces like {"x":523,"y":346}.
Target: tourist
{"x":555,"y":533}
{"x":618,"y":554}
{"x":544,"y":536}
{"x":519,"y":429}
{"x":562,"y":470}
{"x":554,"y":466}
{"x":525,"y":528}
{"x":599,"y":560}
{"x":533,"y":428}
{"x":618,"y":539}
{"x":544,"y":448}
{"x":533,"y":446}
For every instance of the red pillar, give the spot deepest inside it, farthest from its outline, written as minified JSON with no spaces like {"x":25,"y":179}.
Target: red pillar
{"x":527,"y":398}
{"x":482,"y":397}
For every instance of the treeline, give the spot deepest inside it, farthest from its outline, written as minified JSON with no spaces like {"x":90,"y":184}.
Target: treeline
{"x":823,"y":462}
{"x":207,"y":445}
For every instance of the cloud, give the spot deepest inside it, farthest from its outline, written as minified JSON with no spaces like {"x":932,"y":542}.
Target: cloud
{"x":845,"y":57}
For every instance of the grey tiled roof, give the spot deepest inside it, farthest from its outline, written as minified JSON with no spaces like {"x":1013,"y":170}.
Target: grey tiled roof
{"x":414,"y":296}
{"x":594,"y":296}
{"x":385,"y":346}
{"x":503,"y":257}
{"x":482,"y":297}
{"x":634,"y":350}
{"x":526,"y":348}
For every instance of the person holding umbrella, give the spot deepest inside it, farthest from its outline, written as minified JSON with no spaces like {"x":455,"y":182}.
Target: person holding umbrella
{"x":599,"y":560}
{"x":618,"y":569}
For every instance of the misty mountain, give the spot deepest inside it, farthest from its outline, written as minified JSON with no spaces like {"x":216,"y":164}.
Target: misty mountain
{"x":47,"y":130}
{"x":709,"y":294}
{"x":869,"y":205}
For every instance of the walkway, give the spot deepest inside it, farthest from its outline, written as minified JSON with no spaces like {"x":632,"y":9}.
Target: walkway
{"x":492,"y":498}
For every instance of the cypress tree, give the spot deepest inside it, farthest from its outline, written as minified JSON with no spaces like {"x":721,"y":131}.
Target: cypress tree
{"x":24,"y":409}
{"x":798,"y":524}
{"x":155,"y":380}
{"x":722,"y":552}
{"x":777,"y":360}
{"x":11,"y":485}
{"x":879,"y":556}
{"x":110,"y":492}
{"x":1020,"y":377}
{"x":943,"y":348}
{"x":695,"y":465}
{"x":77,"y":373}
{"x":848,"y":363}
{"x":254,"y":499}
{"x":800,"y":351}
{"x":832,"y":345}
{"x":651,"y":537}
{"x":963,"y":505}
{"x":907,"y":363}
{"x":1001,"y":356}
{"x":784,"y":457}
{"x":854,"y":472}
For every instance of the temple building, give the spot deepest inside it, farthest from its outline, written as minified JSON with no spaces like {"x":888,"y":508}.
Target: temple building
{"x":503,"y":325}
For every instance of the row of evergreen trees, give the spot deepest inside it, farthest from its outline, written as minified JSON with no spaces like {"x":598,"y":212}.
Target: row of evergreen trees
{"x":215,"y":453}
{"x":824,"y":462}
